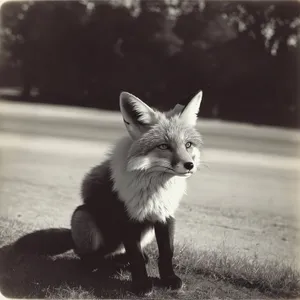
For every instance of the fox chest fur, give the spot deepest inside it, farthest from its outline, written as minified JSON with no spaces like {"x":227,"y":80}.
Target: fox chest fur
{"x":147,"y":196}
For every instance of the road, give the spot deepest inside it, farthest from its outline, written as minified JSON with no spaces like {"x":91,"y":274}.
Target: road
{"x":244,"y":200}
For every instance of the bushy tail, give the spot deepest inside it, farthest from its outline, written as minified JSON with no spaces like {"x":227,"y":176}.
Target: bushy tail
{"x":50,"y":241}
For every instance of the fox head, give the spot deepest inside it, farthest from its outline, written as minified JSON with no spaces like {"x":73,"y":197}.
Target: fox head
{"x":162,"y":142}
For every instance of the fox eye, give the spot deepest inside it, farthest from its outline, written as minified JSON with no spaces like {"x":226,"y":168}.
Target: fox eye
{"x":188,"y":145}
{"x":163,"y":147}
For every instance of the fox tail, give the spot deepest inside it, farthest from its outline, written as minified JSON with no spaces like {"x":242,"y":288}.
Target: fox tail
{"x":50,"y":241}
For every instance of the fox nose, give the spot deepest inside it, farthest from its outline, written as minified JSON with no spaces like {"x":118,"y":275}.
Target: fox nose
{"x":188,"y":165}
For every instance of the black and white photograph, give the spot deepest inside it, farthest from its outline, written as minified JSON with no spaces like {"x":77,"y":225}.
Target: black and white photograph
{"x":149,"y":149}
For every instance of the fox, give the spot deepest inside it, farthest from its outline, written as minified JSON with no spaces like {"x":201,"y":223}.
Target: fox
{"x":131,"y":198}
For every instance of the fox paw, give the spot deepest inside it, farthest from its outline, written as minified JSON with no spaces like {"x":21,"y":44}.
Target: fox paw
{"x":172,"y":282}
{"x":142,"y":288}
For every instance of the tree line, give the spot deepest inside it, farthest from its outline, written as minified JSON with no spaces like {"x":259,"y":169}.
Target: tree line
{"x":243,"y":55}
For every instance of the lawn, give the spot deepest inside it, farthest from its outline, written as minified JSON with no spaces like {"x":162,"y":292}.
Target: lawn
{"x":207,"y":275}
{"x":242,"y":237}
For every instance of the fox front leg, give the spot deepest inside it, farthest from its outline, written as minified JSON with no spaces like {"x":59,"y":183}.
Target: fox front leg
{"x":141,"y":283}
{"x":165,"y":240}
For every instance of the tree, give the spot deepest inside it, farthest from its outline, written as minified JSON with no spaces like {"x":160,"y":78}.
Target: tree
{"x":100,"y":58}
{"x":40,"y":37}
{"x":269,"y":23}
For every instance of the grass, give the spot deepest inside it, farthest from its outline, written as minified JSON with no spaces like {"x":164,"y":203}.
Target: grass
{"x":273,"y":278}
{"x":207,"y":275}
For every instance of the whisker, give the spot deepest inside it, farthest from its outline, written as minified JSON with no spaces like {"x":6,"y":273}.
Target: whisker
{"x":204,"y":164}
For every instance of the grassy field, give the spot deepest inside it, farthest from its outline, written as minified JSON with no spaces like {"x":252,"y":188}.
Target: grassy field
{"x":209,"y":275}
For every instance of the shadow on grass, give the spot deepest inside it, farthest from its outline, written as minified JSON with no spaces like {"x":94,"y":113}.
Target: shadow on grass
{"x":24,"y":275}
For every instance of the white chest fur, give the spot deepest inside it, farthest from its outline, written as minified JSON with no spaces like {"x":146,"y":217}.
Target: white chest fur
{"x":153,"y":196}
{"x":146,"y":198}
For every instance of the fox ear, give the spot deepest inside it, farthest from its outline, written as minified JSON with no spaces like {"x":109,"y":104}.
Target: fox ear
{"x":137,"y":115}
{"x":175,"y":111}
{"x":190,"y":112}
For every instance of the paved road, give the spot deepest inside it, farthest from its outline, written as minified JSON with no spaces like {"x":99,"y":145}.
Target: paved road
{"x":245,"y":198}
